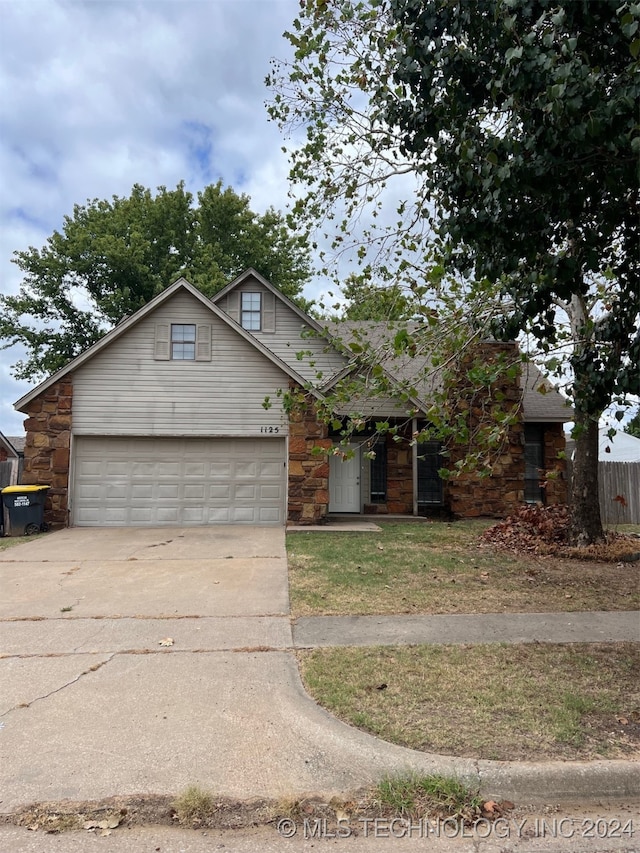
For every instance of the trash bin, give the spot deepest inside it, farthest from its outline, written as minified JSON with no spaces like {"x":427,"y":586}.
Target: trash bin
{"x":24,"y":509}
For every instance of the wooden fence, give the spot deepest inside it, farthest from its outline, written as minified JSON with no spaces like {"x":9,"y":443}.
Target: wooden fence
{"x":619,"y":489}
{"x":6,"y":470}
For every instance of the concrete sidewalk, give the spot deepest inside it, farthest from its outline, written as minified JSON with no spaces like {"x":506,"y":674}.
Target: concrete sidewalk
{"x":593,"y":627}
{"x":174,"y":666}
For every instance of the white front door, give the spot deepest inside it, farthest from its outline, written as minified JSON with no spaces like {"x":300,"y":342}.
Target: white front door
{"x":344,"y":482}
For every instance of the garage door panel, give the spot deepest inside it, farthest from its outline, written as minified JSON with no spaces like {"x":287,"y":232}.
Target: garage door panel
{"x":269,"y":493}
{"x":220,"y":470}
{"x":194,"y":491}
{"x":246,"y":492}
{"x":219,"y":515}
{"x":244,"y":515}
{"x":220,"y":492}
{"x":142,"y":492}
{"x":268,"y":516}
{"x":195,"y":469}
{"x":155,"y":481}
{"x":168,"y":491}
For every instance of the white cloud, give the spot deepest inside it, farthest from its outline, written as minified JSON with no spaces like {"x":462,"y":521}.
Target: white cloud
{"x":96,"y":96}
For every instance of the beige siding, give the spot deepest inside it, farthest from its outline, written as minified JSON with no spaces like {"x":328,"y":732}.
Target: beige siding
{"x":288,"y":339}
{"x":124,"y":390}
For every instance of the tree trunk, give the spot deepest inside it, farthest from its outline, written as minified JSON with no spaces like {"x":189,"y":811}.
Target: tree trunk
{"x":585,"y":526}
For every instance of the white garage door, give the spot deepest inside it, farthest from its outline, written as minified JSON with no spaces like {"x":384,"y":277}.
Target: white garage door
{"x":151,"y":482}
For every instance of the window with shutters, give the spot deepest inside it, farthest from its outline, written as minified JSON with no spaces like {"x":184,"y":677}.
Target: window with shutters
{"x":183,"y":342}
{"x":251,"y":312}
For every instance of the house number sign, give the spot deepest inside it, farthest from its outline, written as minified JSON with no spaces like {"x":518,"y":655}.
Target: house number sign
{"x":270,"y":429}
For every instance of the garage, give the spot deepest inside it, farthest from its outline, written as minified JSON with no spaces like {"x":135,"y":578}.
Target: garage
{"x":155,"y":482}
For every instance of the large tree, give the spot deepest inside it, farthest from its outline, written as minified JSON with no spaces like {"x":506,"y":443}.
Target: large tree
{"x":633,"y":426}
{"x":518,"y":122}
{"x":112,"y":257}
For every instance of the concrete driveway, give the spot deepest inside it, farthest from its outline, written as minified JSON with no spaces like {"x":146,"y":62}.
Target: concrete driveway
{"x":197,"y":571}
{"x":95,"y":704}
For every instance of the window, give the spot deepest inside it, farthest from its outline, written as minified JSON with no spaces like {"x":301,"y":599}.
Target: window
{"x":429,"y":481}
{"x":183,"y":342}
{"x":251,"y":312}
{"x":533,"y":462}
{"x":379,"y":473}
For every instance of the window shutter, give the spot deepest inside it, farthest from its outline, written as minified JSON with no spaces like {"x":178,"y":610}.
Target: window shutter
{"x":233,"y":305}
{"x":203,"y":343}
{"x":162,"y":351}
{"x":268,"y":312}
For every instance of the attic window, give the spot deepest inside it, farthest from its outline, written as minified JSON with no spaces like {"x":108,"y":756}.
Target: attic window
{"x":251,"y":312}
{"x":183,"y":342}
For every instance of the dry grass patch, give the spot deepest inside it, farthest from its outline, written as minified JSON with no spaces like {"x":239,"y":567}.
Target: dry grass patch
{"x":438,"y":567}
{"x":516,"y":702}
{"x":11,"y":541}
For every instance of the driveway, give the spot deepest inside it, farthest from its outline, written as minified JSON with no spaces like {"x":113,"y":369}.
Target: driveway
{"x":196,"y":571}
{"x":143,"y":661}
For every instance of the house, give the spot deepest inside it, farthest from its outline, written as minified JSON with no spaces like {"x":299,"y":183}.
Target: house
{"x":11,"y":453}
{"x":177,"y":416}
{"x":621,"y":447}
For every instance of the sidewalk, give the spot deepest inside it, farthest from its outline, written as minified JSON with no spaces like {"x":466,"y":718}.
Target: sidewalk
{"x":599,"y":627}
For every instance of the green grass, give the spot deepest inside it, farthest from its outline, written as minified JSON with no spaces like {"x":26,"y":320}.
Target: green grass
{"x":506,"y":702}
{"x":11,"y":541}
{"x":415,"y":796}
{"x":438,"y":567}
{"x":7,"y":542}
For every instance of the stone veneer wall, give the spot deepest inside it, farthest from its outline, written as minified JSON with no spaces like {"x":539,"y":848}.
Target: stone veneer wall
{"x":46,"y":451}
{"x":308,"y":472}
{"x":469,"y":495}
{"x":399,"y":476}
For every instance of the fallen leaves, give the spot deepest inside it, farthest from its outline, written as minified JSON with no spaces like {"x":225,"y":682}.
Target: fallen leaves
{"x":493,"y":809}
{"x":105,"y":826}
{"x":544,"y":530}
{"x":529,"y":527}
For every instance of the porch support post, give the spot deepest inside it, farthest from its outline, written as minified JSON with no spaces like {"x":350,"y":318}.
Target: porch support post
{"x":414,"y":463}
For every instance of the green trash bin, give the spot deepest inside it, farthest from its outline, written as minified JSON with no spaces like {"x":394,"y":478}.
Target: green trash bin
{"x":24,"y":509}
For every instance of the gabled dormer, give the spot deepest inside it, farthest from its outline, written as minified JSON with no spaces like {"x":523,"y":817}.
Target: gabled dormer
{"x":268,"y":315}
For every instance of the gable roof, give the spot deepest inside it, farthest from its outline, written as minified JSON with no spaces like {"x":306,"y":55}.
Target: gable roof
{"x":252,"y":273}
{"x":18,"y":441}
{"x":8,"y":446}
{"x":135,"y":318}
{"x":546,"y":405}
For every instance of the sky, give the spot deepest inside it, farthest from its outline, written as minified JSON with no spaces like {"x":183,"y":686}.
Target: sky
{"x":97,"y":95}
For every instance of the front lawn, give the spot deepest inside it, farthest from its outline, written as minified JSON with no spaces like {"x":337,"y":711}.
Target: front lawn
{"x":504,"y":702}
{"x":440,"y":567}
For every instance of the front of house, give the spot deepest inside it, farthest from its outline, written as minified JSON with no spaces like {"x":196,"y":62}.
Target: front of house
{"x":176,"y":417}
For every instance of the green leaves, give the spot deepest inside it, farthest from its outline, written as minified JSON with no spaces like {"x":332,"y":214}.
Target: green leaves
{"x":114,"y":256}
{"x":517,"y":123}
